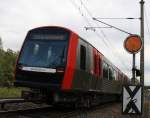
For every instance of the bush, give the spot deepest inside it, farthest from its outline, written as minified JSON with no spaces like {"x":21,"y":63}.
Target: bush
{"x":7,"y":63}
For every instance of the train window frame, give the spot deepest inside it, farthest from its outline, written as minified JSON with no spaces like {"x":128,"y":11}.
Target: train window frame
{"x":82,"y":57}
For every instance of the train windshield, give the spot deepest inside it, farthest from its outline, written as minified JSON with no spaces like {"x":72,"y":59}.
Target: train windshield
{"x":44,"y":53}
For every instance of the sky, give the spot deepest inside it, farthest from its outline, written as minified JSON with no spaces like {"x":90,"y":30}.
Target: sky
{"x":19,"y":16}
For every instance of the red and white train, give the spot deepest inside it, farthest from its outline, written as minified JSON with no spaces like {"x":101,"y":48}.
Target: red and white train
{"x":60,"y":67}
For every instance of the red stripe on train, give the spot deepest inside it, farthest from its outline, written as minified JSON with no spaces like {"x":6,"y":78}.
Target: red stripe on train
{"x":71,"y":62}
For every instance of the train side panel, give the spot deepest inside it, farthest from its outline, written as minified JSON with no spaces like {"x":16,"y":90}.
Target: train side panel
{"x":91,"y":73}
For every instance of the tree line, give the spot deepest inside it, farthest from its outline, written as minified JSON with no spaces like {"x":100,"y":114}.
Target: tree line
{"x":7,"y":64}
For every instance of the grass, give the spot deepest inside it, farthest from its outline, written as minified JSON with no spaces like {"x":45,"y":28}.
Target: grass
{"x":10,"y":92}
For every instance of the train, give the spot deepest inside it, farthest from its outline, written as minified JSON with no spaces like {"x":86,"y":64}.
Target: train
{"x":60,"y":67}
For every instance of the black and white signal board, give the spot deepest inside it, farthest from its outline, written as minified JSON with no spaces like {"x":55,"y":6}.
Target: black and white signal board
{"x":132,"y":99}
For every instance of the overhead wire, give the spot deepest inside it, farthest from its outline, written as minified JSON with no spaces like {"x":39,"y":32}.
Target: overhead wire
{"x":85,"y":18}
{"x":104,"y":38}
{"x":79,"y":9}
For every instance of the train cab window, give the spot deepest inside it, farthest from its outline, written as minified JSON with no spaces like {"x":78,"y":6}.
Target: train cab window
{"x":105,"y":70}
{"x":39,"y":53}
{"x":83,"y":57}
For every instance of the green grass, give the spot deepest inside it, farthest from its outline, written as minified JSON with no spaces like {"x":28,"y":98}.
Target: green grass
{"x":10,"y":92}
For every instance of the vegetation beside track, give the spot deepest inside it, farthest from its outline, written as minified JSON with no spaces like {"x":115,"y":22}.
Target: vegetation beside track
{"x":11,"y":92}
{"x":7,"y":64}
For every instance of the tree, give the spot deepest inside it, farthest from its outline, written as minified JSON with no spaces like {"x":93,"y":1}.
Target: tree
{"x":1,"y":64}
{"x":7,"y":63}
{"x":1,"y":43}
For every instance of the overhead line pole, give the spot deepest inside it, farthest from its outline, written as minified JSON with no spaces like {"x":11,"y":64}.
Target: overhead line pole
{"x":142,"y":50}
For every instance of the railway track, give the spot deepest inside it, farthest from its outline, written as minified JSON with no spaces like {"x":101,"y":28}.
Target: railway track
{"x":34,"y":112}
{"x":3,"y":102}
{"x":52,"y":112}
{"x":24,"y":111}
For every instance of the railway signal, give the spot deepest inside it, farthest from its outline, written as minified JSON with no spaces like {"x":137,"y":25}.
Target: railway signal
{"x":132,"y":94}
{"x":133,"y":45}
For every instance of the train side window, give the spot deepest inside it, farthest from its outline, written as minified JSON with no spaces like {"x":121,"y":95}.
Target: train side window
{"x":82,"y":57}
{"x":120,"y":77}
{"x":115,"y":74}
{"x":95,"y":64}
{"x":110,"y":74}
{"x":100,"y":65}
{"x":105,"y":70}
{"x":124,"y":80}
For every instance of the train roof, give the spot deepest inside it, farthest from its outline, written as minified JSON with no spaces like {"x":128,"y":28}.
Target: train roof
{"x":45,"y":27}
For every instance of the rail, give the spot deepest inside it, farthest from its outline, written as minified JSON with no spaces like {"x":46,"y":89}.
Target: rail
{"x":8,"y":101}
{"x":24,"y":111}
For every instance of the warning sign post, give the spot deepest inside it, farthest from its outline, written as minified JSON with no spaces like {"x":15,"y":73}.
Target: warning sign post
{"x":132,"y":99}
{"x":132,"y":95}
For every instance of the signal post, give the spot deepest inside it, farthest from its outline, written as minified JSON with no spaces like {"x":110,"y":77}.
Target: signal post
{"x":133,"y":93}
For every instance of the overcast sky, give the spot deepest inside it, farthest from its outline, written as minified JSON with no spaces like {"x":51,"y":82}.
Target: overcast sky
{"x":19,"y":16}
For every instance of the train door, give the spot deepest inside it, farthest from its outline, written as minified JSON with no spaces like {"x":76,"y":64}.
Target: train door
{"x":84,"y":65}
{"x":81,"y":76}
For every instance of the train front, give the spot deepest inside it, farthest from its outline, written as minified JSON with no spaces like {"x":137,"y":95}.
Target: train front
{"x":43,"y":59}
